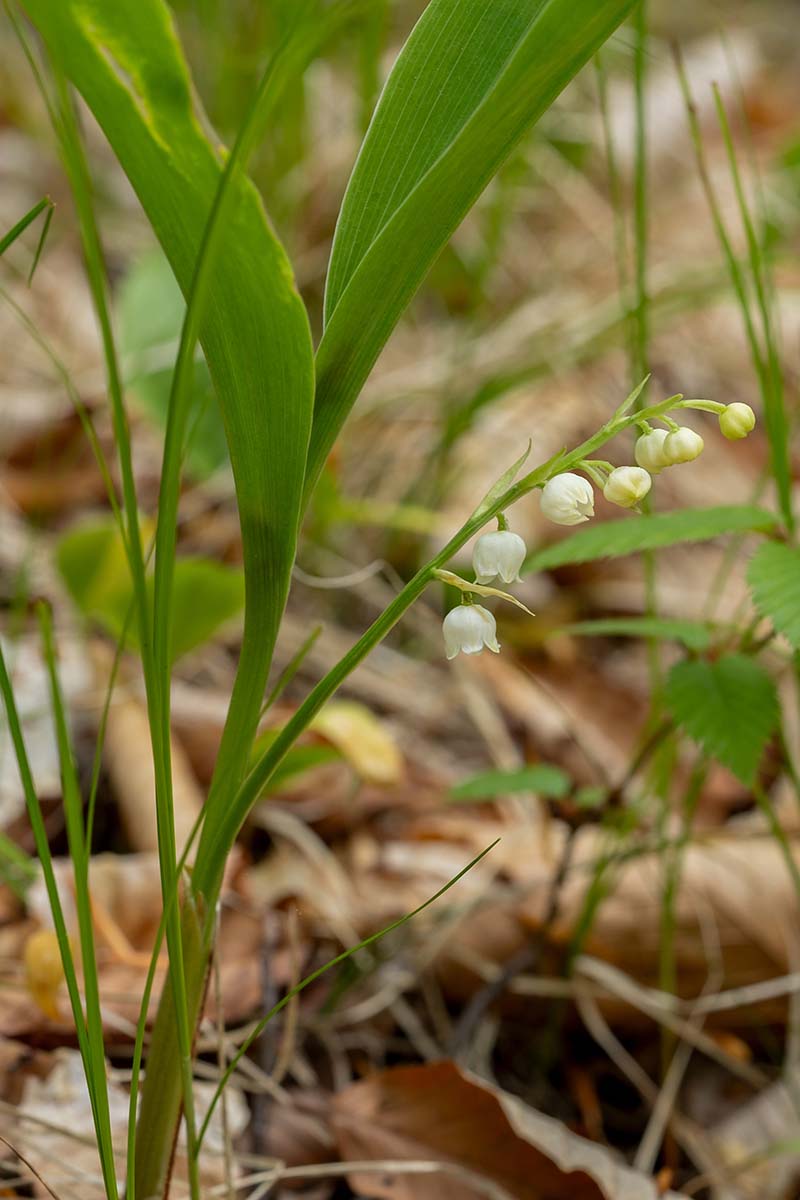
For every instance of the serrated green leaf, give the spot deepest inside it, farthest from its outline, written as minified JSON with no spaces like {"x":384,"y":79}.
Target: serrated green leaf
{"x":730,"y":707}
{"x":93,"y":564}
{"x":612,"y":539}
{"x":471,"y":80}
{"x":693,"y":634}
{"x":774,"y":578}
{"x":543,"y":778}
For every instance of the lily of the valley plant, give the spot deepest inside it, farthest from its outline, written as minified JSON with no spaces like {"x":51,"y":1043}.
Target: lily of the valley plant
{"x":446,"y":121}
{"x":567,"y":498}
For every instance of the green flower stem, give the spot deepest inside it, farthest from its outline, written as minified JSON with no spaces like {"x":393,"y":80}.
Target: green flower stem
{"x":156,"y":1129}
{"x":712,"y":406}
{"x":211,"y":858}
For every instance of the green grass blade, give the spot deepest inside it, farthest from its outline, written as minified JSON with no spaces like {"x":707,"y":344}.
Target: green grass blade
{"x":309,"y":979}
{"x":9,"y":238}
{"x":36,"y":819}
{"x":641,"y":324}
{"x":79,"y":854}
{"x":774,"y":408}
{"x":471,"y":80}
{"x":40,"y":244}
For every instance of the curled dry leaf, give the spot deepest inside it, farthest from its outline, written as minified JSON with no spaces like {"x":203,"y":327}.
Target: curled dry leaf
{"x":488,"y":1142}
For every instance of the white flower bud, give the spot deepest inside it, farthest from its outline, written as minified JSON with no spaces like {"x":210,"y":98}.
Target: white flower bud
{"x":682,"y":445}
{"x":737,"y":421}
{"x":626,"y":486}
{"x":468,"y":628}
{"x":649,"y":451}
{"x":500,"y":553}
{"x":567,"y":499}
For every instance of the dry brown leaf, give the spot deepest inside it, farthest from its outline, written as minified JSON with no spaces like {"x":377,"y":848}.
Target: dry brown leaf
{"x":129,"y":760}
{"x":490,"y":1143}
{"x":58,"y":1138}
{"x":126,"y":903}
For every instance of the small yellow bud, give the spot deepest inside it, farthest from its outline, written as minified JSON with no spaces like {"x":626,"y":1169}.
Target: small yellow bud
{"x":737,"y":421}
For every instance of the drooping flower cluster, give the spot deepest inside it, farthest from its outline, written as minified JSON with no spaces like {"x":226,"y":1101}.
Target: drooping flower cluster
{"x":568,"y":499}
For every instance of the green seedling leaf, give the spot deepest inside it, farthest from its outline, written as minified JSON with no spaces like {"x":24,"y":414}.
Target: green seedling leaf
{"x":503,"y":484}
{"x":94,"y":567}
{"x":693,"y":634}
{"x":470,"y":82}
{"x":150,"y":312}
{"x":612,"y":539}
{"x":774,"y":578}
{"x":729,"y":707}
{"x":542,"y":778}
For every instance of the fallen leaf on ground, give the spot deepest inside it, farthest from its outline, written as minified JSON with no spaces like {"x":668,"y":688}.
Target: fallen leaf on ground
{"x":363,"y":740}
{"x":488,"y":1142}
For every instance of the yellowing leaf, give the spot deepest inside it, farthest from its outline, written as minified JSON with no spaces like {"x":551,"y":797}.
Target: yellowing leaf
{"x":362,"y":739}
{"x":44,"y":972}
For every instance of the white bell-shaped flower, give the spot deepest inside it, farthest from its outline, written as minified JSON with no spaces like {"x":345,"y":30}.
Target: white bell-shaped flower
{"x":682,"y":445}
{"x":737,"y":421}
{"x":626,"y":486}
{"x":567,"y":499}
{"x":499,"y":553}
{"x":468,"y":628}
{"x":649,"y":451}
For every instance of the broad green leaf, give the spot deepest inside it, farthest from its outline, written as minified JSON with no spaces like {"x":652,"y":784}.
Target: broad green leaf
{"x":612,"y":539}
{"x":125,"y":60}
{"x":693,"y":634}
{"x":150,"y":309}
{"x":540,"y":777}
{"x":730,"y":707}
{"x":471,"y":80}
{"x":94,"y":566}
{"x":774,"y":578}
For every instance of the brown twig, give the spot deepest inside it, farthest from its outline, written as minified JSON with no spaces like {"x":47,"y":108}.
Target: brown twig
{"x":26,"y":1162}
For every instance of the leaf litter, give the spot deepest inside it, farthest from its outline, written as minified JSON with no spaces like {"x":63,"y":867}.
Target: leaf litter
{"x":350,"y":844}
